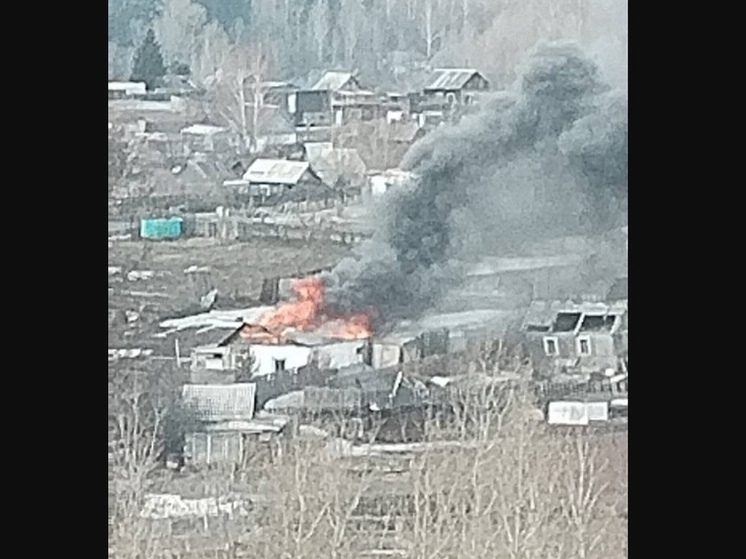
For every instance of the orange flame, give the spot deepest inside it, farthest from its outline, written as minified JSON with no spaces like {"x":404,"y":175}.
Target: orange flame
{"x":354,"y":327}
{"x":302,"y":313}
{"x":307,"y":312}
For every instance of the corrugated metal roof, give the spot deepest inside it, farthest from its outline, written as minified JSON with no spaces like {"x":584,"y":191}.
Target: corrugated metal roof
{"x":276,"y":171}
{"x":217,"y":319}
{"x":332,"y":81}
{"x":221,"y":402}
{"x":450,"y":78}
{"x":203,"y":129}
{"x":140,"y":105}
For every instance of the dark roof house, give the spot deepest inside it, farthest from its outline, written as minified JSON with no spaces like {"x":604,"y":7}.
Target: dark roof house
{"x":269,"y":181}
{"x":447,"y":89}
{"x":575,"y":338}
{"x":455,"y":79}
{"x":334,"y":99}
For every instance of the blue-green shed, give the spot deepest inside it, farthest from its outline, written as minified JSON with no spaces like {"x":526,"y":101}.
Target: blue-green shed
{"x":170,"y":228}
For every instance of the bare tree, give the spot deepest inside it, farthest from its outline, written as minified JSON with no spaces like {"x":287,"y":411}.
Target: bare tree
{"x":490,"y":481}
{"x":179,"y":28}
{"x":238,"y":92}
{"x":141,"y":405}
{"x":430,"y":14}
{"x":137,"y":410}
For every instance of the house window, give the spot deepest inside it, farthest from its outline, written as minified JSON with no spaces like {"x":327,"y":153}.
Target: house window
{"x":584,"y":346}
{"x":550,"y":346}
{"x":279,"y":365}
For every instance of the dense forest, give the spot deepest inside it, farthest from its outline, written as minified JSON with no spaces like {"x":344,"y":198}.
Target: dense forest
{"x":386,"y":41}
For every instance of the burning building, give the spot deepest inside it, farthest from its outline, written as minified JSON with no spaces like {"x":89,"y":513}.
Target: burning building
{"x":309,"y":312}
{"x":269,"y":341}
{"x":305,"y":329}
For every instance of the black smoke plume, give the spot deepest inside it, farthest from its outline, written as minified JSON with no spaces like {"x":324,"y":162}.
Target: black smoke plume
{"x":550,"y":158}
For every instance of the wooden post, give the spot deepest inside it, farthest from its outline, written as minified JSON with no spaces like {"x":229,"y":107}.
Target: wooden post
{"x":176,"y":350}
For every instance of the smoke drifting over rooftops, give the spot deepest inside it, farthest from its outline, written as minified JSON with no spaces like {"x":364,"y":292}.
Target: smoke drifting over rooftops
{"x":548,"y":158}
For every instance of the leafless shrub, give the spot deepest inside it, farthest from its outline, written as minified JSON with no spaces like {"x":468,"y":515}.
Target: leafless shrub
{"x":489,"y":480}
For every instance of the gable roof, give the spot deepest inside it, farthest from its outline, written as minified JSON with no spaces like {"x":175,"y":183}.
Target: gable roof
{"x":220,"y":402}
{"x":276,"y":171}
{"x":450,"y":78}
{"x":333,"y":81}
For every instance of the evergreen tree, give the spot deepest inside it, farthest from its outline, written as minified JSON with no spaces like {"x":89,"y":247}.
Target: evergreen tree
{"x":148,"y":66}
